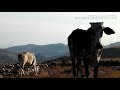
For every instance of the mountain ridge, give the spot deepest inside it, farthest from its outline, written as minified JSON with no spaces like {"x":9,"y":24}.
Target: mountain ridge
{"x":50,"y":51}
{"x":112,"y":45}
{"x":40,"y":48}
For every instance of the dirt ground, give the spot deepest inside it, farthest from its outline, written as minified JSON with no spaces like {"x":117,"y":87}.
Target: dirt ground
{"x":65,"y":72}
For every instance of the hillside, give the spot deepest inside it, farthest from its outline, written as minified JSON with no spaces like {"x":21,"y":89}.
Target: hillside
{"x":51,"y":51}
{"x":47,"y":51}
{"x":11,"y":57}
{"x":112,"y":52}
{"x":112,"y":45}
{"x":8,"y":56}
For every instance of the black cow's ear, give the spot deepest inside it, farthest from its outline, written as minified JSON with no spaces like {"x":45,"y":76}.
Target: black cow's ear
{"x":108,"y":31}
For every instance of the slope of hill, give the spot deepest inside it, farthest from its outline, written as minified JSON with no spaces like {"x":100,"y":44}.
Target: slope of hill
{"x":49,"y":50}
{"x":11,"y":57}
{"x":112,"y":45}
{"x":112,"y":52}
{"x":8,"y":56}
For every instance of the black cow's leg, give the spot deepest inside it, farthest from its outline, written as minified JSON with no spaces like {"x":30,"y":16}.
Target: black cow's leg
{"x":78,"y":66}
{"x":99,"y":53}
{"x":86,"y":69}
{"x":96,"y":71}
{"x":73,"y":67}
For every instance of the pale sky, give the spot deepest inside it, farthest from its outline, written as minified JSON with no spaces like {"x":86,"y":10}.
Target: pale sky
{"x":41,"y":28}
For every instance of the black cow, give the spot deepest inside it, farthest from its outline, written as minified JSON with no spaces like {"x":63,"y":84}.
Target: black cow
{"x":85,"y":46}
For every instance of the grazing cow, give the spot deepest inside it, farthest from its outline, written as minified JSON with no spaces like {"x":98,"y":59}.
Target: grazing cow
{"x":27,"y":59}
{"x":85,"y":47}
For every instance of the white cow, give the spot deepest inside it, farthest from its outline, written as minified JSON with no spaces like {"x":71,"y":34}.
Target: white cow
{"x":27,"y":59}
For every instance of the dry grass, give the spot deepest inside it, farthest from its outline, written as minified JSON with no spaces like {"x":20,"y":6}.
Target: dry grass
{"x":56,"y":72}
{"x":108,"y":59}
{"x":53,"y":72}
{"x":108,"y":72}
{"x":65,"y":72}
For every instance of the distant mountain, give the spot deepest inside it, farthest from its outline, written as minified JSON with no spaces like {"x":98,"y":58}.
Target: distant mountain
{"x":51,"y":51}
{"x":8,"y":56}
{"x":112,"y":45}
{"x":12,"y":57}
{"x":42,"y":52}
{"x":40,"y":57}
{"x":112,"y":52}
{"x":59,"y":56}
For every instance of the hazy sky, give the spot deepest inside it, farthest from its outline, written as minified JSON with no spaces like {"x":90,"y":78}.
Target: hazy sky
{"x":21,"y":28}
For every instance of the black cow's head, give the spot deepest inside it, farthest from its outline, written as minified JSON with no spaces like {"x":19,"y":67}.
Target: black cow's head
{"x":99,"y":28}
{"x":96,"y":30}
